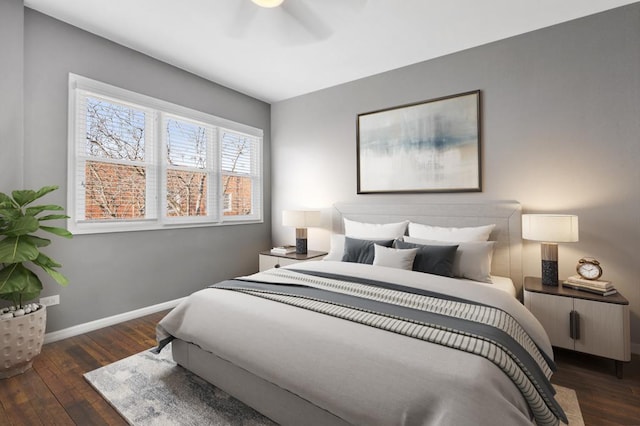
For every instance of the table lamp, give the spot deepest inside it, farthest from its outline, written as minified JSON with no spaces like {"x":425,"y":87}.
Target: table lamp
{"x":301,"y":220}
{"x":550,"y":229}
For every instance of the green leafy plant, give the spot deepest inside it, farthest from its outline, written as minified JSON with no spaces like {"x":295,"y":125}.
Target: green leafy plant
{"x":20,"y":248}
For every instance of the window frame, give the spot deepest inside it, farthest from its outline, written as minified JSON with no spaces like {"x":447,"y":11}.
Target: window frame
{"x":158,"y":112}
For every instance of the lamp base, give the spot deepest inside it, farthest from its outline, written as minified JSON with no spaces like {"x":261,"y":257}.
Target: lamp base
{"x":550,"y":272}
{"x":301,"y":240}
{"x":301,"y":246}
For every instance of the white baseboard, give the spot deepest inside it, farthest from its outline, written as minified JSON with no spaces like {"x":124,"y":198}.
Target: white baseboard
{"x":76,"y":330}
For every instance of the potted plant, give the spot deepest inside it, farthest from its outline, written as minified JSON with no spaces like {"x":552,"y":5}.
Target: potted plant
{"x":22,"y":324}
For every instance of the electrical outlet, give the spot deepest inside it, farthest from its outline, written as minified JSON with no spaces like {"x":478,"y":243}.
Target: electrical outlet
{"x":50,"y":300}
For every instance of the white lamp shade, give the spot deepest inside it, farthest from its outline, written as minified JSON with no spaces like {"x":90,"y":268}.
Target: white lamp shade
{"x":301,"y":218}
{"x":553,"y":228}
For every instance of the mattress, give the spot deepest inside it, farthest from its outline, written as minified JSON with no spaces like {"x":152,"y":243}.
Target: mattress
{"x":502,"y":283}
{"x":360,"y":374}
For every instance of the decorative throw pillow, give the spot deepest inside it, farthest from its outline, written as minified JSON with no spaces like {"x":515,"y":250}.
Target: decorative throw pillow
{"x":372,"y":231}
{"x":453,"y":235}
{"x":337,"y":248}
{"x":361,"y":251}
{"x":393,"y":257}
{"x":434,"y":259}
{"x":472,"y":259}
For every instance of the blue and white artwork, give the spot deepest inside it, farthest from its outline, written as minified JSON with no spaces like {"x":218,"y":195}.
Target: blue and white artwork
{"x":432,"y":147}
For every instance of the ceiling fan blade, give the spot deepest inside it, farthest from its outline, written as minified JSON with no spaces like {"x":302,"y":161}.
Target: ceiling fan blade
{"x":307,"y":18}
{"x":245,"y":14}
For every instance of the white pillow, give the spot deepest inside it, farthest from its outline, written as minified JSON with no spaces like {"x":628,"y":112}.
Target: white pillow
{"x":374,"y":231}
{"x":337,"y":248}
{"x":472,"y":260}
{"x":394,"y":258}
{"x":452,"y":235}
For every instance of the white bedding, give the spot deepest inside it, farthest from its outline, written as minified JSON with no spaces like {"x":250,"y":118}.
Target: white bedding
{"x":502,"y":283}
{"x":358,"y":373}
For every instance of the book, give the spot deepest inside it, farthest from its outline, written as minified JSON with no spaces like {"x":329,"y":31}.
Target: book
{"x":594,"y":290}
{"x":588,"y":285}
{"x":576,"y":279}
{"x":595,"y":287}
{"x":283,"y":250}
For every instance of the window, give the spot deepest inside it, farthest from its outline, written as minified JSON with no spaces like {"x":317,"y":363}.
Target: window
{"x":238,"y":176}
{"x":189,"y":172}
{"x":139,"y":163}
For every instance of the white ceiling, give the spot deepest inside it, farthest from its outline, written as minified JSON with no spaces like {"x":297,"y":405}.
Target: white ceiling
{"x":275,"y":54}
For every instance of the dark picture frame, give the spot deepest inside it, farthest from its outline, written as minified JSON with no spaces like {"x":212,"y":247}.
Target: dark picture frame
{"x":429,"y":146}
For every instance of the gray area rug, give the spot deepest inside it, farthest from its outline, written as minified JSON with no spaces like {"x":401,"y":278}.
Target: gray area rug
{"x":568,"y":400}
{"x":148,"y":389}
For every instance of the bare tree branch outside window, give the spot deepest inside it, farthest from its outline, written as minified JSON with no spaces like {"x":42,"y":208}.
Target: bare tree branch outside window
{"x":236,"y":169}
{"x":186,"y":150}
{"x":115,"y":187}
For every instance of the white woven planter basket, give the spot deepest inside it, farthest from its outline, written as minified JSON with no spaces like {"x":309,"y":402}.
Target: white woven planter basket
{"x":20,"y":341}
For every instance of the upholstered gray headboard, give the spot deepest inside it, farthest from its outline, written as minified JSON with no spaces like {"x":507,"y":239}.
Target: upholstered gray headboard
{"x":506,"y":215}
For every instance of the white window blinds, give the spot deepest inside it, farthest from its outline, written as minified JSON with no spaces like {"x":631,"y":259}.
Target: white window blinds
{"x":240,"y":173}
{"x":141,"y":163}
{"x":114,"y":160}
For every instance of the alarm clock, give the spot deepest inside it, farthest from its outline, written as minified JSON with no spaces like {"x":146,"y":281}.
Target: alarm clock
{"x":589,"y":268}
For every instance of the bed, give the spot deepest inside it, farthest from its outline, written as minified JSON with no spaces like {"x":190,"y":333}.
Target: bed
{"x":336,"y":343}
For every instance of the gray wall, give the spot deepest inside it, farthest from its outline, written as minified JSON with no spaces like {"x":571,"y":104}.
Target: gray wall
{"x":561,"y":133}
{"x":115,"y":273}
{"x":11,"y":94}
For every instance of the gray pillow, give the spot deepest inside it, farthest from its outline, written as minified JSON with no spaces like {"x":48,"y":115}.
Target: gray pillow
{"x":362,"y":251}
{"x":437,"y":260}
{"x":473,"y":258}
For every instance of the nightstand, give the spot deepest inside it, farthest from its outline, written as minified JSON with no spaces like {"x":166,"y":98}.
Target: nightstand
{"x":581,"y":321}
{"x":268,"y":260}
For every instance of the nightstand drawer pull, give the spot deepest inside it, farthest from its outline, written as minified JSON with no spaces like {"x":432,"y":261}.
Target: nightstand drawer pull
{"x":574,"y":325}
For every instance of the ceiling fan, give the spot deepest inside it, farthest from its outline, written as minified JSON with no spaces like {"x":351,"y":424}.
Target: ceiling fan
{"x":291,"y":21}
{"x":268,"y":3}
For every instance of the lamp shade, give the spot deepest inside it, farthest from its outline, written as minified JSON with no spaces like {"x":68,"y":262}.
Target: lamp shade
{"x":553,"y":228}
{"x":301,"y":218}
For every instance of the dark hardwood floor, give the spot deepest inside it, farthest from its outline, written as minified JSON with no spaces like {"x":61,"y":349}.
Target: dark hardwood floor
{"x":604,"y":399}
{"x":55,"y":393}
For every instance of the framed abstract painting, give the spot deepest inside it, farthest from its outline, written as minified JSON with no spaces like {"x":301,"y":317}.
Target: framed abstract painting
{"x":431,"y":146}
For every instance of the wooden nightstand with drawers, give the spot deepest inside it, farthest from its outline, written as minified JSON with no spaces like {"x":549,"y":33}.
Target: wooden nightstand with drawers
{"x":582,"y":321}
{"x":268,"y":260}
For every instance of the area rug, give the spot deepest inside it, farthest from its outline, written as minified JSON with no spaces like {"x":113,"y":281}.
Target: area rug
{"x":151,"y":390}
{"x":568,"y":400}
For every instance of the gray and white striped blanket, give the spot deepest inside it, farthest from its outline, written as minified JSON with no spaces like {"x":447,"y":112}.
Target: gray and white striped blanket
{"x":460,"y":324}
